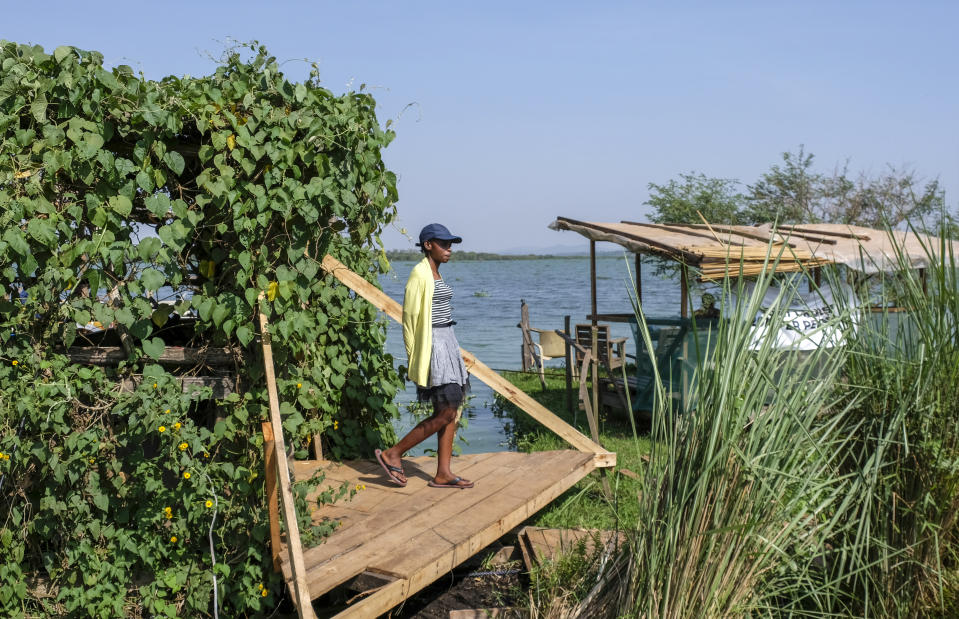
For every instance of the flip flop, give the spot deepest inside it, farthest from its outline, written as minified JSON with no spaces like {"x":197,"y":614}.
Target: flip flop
{"x":390,"y":469}
{"x":453,"y":484}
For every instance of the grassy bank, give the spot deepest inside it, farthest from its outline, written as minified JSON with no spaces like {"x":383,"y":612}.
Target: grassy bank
{"x":585,"y":505}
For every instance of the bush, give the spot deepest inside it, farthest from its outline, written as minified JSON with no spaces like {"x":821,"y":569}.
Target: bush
{"x":116,"y":190}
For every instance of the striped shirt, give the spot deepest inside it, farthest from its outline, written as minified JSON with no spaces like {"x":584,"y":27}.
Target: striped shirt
{"x":442,"y":310}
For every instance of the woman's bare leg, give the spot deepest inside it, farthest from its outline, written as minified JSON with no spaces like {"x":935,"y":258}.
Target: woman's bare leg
{"x":423,"y":430}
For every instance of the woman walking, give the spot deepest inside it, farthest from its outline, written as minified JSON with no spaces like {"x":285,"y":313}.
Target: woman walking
{"x":435,"y":364}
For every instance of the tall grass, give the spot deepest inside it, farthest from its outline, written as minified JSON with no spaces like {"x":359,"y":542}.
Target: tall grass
{"x":903,"y":461}
{"x":821,"y":483}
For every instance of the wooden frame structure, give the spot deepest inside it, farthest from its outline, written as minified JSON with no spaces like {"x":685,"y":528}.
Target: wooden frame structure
{"x":393,"y":541}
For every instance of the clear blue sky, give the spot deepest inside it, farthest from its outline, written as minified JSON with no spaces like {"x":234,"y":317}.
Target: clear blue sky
{"x":524,"y":111}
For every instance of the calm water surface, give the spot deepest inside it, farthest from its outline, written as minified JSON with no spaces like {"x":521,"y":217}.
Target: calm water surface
{"x":486,"y":308}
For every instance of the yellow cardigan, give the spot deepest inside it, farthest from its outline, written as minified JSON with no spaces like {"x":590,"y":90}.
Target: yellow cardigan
{"x":418,"y":322}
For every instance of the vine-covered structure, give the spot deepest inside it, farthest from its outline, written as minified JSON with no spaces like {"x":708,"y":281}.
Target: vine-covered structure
{"x":145,"y":218}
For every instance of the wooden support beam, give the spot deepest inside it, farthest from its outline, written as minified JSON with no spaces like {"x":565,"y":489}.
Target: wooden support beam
{"x":602,"y":457}
{"x":272,"y":499}
{"x":301,"y":594}
{"x":172,"y":355}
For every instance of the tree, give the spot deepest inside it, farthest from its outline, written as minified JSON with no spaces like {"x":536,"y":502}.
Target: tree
{"x":791,"y":194}
{"x":678,"y":201}
{"x":892,"y":198}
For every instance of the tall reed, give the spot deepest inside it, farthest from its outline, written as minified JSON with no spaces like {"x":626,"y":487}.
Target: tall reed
{"x":733,"y":518}
{"x":820,"y":483}
{"x":903,"y":459}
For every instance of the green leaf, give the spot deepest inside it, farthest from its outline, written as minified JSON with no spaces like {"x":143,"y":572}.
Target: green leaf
{"x":160,"y":316}
{"x":152,"y":279}
{"x":175,"y":161}
{"x":122,"y":205}
{"x":101,"y":501}
{"x":158,"y":204}
{"x":62,"y":53}
{"x":14,"y":237}
{"x":144,"y":181}
{"x":244,"y":334}
{"x":154,"y":347}
{"x":38,"y":107}
{"x":220,"y":312}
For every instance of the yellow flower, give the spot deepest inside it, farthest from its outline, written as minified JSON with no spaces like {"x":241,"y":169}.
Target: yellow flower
{"x":173,"y":539}
{"x":161,"y":429}
{"x":209,"y":504}
{"x":186,"y":475}
{"x":2,"y":455}
{"x":260,"y":586}
{"x":298,"y":385}
{"x":166,"y":412}
{"x":263,"y":593}
{"x":206,"y":455}
{"x":168,"y":512}
{"x":92,"y":460}
{"x":177,"y":425}
{"x":336,"y":425}
{"x":154,"y":385}
{"x":183,"y":446}
{"x":15,"y":362}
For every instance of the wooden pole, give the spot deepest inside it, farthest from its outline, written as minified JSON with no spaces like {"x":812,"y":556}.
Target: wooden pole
{"x":272,"y":500}
{"x":595,"y":333}
{"x":569,"y":367}
{"x":301,"y":593}
{"x":592,"y":416}
{"x":524,"y":327}
{"x":684,"y":292}
{"x":602,"y":457}
{"x":639,"y":278}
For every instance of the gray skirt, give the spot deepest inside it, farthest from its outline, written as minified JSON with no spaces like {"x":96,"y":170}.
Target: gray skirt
{"x":449,"y":380}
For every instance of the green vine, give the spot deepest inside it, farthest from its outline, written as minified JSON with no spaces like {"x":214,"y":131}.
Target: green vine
{"x":116,"y":194}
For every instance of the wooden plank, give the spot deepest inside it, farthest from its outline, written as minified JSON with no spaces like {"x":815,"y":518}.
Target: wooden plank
{"x":382,"y":601}
{"x":477,"y":368}
{"x":809,"y":230}
{"x":679,"y":229}
{"x":550,"y":544}
{"x":172,"y":355}
{"x":272,"y":500}
{"x":301,"y":594}
{"x":403,"y":514}
{"x":534,"y":476}
{"x":670,"y":251}
{"x":747,"y":234}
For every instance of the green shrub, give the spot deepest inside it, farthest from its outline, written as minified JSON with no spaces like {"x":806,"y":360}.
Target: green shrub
{"x":114,"y":190}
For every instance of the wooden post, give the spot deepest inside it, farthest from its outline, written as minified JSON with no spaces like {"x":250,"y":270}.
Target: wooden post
{"x":595,"y":335}
{"x":300,"y":590}
{"x":592,"y":416}
{"x":639,"y":278}
{"x":524,"y":327}
{"x":272,"y":500}
{"x":684,"y":292}
{"x":569,"y":368}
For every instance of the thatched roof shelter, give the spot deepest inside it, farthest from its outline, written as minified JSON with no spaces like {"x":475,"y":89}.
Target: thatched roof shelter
{"x":707,"y":247}
{"x":716,"y":250}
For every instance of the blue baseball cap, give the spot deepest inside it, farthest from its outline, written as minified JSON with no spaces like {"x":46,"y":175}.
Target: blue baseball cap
{"x":438,"y":232}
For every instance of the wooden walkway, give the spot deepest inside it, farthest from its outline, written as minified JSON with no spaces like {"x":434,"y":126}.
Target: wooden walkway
{"x":403,"y":539}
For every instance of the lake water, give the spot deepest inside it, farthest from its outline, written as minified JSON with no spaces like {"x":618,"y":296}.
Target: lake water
{"x":486,"y":308}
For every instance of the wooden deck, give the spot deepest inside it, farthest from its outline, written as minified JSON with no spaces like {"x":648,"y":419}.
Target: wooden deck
{"x":405,"y":538}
